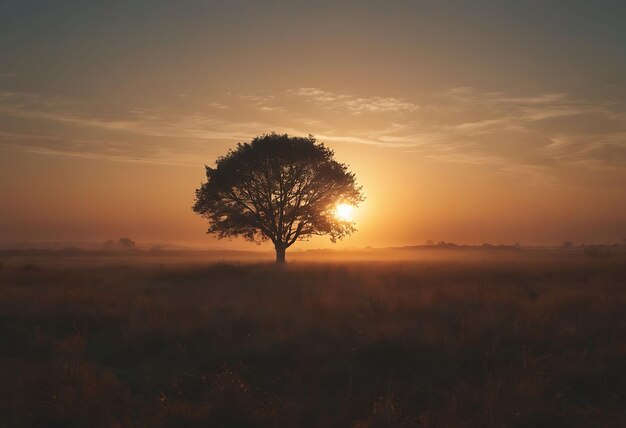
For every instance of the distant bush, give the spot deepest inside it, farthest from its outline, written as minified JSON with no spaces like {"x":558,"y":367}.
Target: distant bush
{"x":121,"y":244}
{"x":597,"y":251}
{"x":126,"y":243}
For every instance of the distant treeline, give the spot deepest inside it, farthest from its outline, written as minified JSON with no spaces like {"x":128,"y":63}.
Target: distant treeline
{"x":596,"y":250}
{"x":73,"y":251}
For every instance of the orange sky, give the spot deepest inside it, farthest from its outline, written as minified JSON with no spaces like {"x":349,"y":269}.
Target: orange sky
{"x":501,"y":124}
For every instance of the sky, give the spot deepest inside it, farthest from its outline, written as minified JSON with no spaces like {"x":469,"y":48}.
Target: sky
{"x":469,"y":122}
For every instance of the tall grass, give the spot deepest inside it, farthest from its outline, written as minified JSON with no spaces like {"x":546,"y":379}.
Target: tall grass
{"x":434,"y":343}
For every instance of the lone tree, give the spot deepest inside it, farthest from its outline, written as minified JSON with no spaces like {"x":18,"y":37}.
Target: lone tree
{"x":280,"y":188}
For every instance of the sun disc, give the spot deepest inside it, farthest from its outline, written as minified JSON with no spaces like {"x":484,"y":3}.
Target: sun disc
{"x":344,"y":212}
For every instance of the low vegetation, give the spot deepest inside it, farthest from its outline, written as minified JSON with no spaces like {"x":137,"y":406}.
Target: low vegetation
{"x":480,"y":343}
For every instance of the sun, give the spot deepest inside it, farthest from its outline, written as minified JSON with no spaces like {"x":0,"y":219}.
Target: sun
{"x":343,"y":212}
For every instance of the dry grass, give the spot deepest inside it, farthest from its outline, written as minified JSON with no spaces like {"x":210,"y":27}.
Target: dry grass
{"x":482,"y":343}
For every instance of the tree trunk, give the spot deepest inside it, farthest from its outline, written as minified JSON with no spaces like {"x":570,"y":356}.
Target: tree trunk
{"x":280,"y":255}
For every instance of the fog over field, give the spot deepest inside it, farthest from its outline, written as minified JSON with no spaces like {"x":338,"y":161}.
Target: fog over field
{"x":489,"y":339}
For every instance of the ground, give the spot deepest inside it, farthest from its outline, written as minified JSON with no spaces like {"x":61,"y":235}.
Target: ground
{"x":481,"y":341}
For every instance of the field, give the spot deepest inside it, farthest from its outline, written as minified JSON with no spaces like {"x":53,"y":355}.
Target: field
{"x":482,"y":341}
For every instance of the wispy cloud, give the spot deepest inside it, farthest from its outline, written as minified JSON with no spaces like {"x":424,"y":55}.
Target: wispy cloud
{"x":555,"y":126}
{"x":523,"y":108}
{"x":219,"y":106}
{"x":516,"y":133}
{"x":354,"y":104}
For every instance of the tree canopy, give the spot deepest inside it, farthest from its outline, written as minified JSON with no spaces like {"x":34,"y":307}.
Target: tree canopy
{"x":277,"y":187}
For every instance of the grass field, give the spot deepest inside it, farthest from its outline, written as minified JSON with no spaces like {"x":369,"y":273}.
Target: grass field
{"x":483,"y":342}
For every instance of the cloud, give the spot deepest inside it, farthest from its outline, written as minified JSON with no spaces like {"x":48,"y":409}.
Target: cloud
{"x":522,"y":134}
{"x":177,"y":160}
{"x":149,"y":135}
{"x":154,"y":122}
{"x":556,"y":126}
{"x":219,"y":106}
{"x":257,"y":99}
{"x":354,"y":104}
{"x":523,"y":108}
{"x":93,"y":148}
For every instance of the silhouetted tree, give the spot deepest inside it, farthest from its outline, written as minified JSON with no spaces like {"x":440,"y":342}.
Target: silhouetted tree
{"x":280,"y":188}
{"x":126,"y":244}
{"x":121,"y":244}
{"x":108,"y":245}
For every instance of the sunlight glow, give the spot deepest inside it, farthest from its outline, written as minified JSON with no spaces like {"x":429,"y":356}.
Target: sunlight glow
{"x":344,"y":212}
